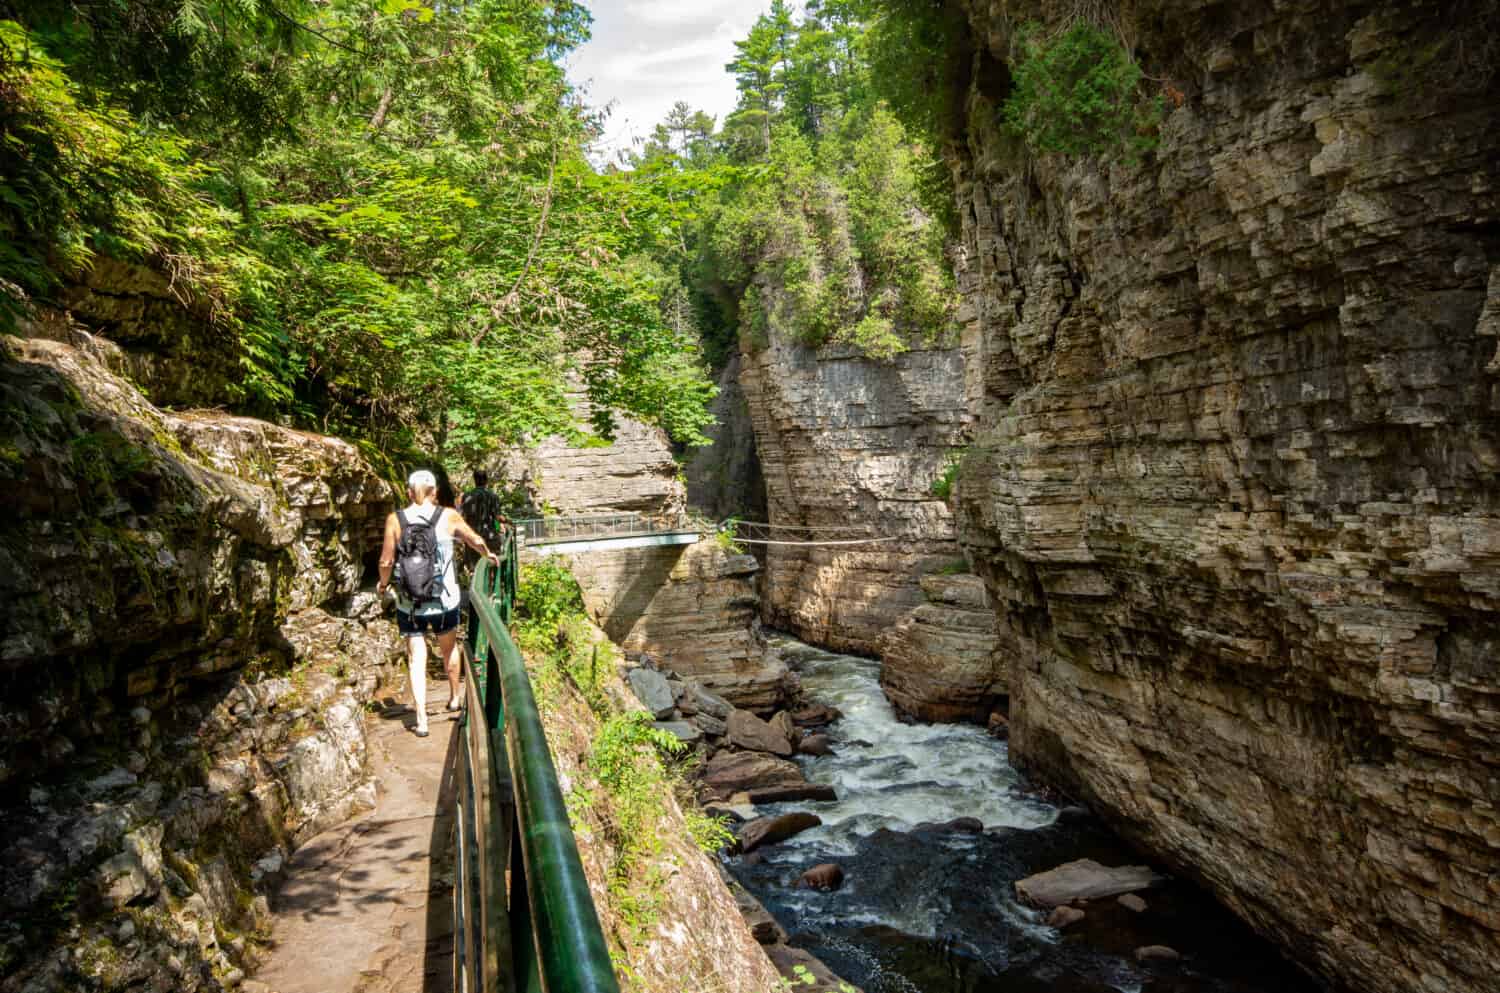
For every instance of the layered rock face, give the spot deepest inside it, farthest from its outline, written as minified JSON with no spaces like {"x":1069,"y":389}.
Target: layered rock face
{"x":185,"y":658}
{"x":692,"y":606}
{"x":938,"y":663}
{"x":1235,"y":491}
{"x":844,"y":441}
{"x":634,"y":473}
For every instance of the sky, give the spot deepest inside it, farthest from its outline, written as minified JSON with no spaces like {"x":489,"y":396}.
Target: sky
{"x":646,"y":55}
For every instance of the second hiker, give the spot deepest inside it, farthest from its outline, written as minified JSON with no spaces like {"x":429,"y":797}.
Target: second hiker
{"x":418,"y":549}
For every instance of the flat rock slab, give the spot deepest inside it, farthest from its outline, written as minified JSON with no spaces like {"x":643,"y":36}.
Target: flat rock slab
{"x":770,"y":830}
{"x":728,"y":773}
{"x":1084,"y":879}
{"x":787,"y":794}
{"x":755,"y":735}
{"x":654,"y":692}
{"x":364,"y":908}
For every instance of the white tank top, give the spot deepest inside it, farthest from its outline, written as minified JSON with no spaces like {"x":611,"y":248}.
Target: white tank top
{"x":445,"y":562}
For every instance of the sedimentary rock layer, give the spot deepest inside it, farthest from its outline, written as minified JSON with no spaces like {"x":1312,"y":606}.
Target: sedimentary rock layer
{"x":848,"y":440}
{"x":938,"y":663}
{"x":163,"y":573}
{"x":1236,"y":486}
{"x":692,"y":606}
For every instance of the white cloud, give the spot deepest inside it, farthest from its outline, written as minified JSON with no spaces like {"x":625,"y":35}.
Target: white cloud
{"x":647,"y":54}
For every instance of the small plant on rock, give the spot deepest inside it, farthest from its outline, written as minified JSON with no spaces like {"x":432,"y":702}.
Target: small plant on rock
{"x":1077,"y":93}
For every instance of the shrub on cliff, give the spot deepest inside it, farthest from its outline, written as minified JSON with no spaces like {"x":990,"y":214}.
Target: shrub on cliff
{"x":1077,"y":93}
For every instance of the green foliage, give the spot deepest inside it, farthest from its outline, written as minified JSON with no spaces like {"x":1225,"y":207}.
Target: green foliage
{"x":1077,"y":93}
{"x":383,"y":206}
{"x":545,"y":596}
{"x":710,"y":834}
{"x":942,"y":487}
{"x":809,"y":219}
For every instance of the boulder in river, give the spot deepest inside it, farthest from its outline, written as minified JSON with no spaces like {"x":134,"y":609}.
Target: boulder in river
{"x":826,"y":877}
{"x":770,"y":830}
{"x":815,"y":744}
{"x":733,"y":772}
{"x":959,"y":825}
{"x":1131,"y":902}
{"x":1156,"y":953}
{"x":1084,"y":879}
{"x":755,"y":735}
{"x":815,"y":715}
{"x":651,"y":688}
{"x":1061,"y":917}
{"x":788,"y":794}
{"x":783,"y":722}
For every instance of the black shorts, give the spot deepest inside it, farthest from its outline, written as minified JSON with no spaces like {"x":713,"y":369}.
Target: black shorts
{"x":436,"y":623}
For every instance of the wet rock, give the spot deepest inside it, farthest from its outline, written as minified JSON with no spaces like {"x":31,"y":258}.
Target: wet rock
{"x":1131,"y":902}
{"x":998,"y":726}
{"x":827,"y":877}
{"x":733,"y":772}
{"x":959,"y":825}
{"x":788,"y":960}
{"x":783,"y":722}
{"x":1156,"y":953}
{"x":771,"y":830}
{"x":684,"y":731}
{"x":815,"y":715}
{"x":753,"y":734}
{"x":733,"y":813}
{"x":1061,"y":917}
{"x":1083,"y":879}
{"x":1073,"y":813}
{"x":788,"y":794}
{"x":650,"y":687}
{"x":815,"y":744}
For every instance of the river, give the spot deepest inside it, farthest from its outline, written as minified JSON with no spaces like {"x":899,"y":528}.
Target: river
{"x":926,"y":909}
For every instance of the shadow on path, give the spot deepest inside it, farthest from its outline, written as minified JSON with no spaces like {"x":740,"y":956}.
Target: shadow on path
{"x":367,"y":906}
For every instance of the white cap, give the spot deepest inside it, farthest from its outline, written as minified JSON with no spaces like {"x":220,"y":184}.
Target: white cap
{"x":422,"y":477}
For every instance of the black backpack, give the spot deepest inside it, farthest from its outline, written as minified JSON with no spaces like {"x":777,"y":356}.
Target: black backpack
{"x":481,"y":511}
{"x":417,"y":571}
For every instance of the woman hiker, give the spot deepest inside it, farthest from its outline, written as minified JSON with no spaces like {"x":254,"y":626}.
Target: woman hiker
{"x":427,"y":593}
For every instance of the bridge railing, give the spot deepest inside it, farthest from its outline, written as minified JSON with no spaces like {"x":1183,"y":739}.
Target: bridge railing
{"x":582,"y":527}
{"x":540,"y":933}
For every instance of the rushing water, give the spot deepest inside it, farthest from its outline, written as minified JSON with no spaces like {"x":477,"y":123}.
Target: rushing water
{"x":926,"y":909}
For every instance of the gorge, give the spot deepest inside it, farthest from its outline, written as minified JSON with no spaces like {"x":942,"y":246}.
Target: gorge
{"x":1169,"y":467}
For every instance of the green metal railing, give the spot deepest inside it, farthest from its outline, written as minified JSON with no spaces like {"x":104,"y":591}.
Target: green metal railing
{"x":539,"y":934}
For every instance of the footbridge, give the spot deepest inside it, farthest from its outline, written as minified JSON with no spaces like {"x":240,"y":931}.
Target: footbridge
{"x":598,"y":532}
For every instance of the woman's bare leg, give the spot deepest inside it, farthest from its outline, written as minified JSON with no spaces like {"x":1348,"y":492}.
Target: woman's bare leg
{"x":448,"y":646}
{"x":416,"y":654}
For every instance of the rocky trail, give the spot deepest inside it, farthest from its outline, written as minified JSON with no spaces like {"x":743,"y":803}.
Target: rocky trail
{"x":365,"y":907}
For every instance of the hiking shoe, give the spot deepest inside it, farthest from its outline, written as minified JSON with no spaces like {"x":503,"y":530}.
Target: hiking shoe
{"x":455,"y":703}
{"x":421,"y":732}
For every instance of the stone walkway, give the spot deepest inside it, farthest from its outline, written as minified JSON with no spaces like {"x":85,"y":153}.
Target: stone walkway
{"x":354,"y":915}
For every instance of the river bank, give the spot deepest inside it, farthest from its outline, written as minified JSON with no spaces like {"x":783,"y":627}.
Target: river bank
{"x":930,"y":907}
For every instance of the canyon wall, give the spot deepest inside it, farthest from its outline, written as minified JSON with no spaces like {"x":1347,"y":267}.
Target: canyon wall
{"x":1235,"y":485}
{"x":185,"y":656}
{"x":692,"y":606}
{"x":849,"y":441}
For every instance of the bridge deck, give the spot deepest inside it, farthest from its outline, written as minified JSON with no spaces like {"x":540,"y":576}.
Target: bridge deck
{"x":575,"y":546}
{"x":366,"y":907}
